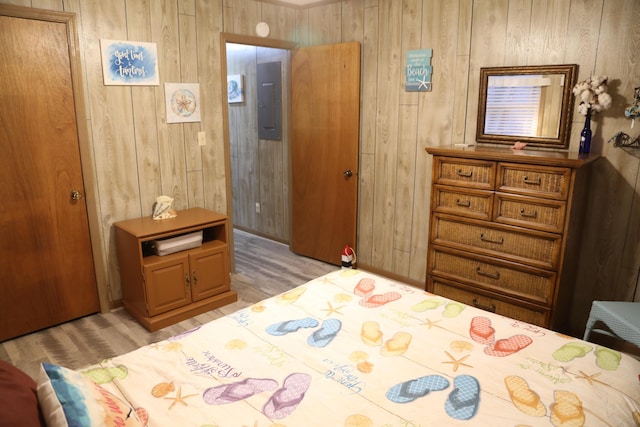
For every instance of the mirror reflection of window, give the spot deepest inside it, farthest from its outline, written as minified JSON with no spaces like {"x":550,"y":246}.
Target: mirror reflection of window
{"x":513,"y":103}
{"x":523,"y":105}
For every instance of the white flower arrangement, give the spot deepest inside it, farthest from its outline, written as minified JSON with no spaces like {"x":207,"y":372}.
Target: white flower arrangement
{"x":593,"y":95}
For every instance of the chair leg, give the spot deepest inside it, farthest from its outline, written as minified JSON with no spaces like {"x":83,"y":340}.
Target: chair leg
{"x":588,"y":329}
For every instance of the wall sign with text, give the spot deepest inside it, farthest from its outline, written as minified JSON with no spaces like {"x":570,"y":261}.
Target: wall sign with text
{"x":418,"y":71}
{"x":129,"y":63}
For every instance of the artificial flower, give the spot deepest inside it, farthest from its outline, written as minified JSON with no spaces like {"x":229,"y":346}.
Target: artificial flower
{"x":593,"y":95}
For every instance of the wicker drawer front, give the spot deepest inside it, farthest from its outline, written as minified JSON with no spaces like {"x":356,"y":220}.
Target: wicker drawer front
{"x":533,"y":284}
{"x":540,"y":214}
{"x":465,"y":202}
{"x":464,"y":172}
{"x":494,"y":305}
{"x":534,"y":180}
{"x":535,"y":248}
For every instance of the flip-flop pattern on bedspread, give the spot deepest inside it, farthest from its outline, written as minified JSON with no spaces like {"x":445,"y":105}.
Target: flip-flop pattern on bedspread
{"x":355,"y":349}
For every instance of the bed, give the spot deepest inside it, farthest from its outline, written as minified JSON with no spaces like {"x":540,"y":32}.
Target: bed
{"x":353,"y":349}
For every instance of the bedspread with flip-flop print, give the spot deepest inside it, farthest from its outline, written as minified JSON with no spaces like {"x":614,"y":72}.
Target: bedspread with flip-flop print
{"x":354,"y":349}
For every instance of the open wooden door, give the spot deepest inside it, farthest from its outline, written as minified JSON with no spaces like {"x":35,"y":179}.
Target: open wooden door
{"x":47,"y":272}
{"x":325,"y":122}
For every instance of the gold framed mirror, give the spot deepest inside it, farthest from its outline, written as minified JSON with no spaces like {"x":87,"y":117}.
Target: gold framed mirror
{"x":531,"y":104}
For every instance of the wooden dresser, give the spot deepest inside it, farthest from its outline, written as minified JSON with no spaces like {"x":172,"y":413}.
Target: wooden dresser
{"x":505,"y":230}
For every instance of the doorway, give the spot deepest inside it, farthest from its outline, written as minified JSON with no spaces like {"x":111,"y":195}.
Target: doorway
{"x":323,"y":91}
{"x":259,"y":160}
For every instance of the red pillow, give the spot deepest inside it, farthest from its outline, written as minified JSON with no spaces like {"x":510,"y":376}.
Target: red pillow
{"x":18,"y":398}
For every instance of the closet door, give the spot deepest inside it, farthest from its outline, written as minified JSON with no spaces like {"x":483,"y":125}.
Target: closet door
{"x":47,"y":272}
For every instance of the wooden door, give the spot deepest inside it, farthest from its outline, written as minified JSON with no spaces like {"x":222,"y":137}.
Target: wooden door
{"x":325,"y":122}
{"x":47,"y":273}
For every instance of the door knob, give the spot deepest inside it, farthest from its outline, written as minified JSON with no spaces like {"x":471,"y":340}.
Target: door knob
{"x":76,"y":195}
{"x":347,"y":173}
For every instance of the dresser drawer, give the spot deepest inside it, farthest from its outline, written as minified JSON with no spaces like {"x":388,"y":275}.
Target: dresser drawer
{"x":532,"y":247}
{"x":541,"y":214}
{"x":494,"y":275}
{"x":466,"y":173}
{"x":534,"y":180}
{"x":459,"y":201}
{"x":535,"y":316}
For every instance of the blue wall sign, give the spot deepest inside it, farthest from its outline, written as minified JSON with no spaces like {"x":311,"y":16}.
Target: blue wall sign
{"x":418,"y":70}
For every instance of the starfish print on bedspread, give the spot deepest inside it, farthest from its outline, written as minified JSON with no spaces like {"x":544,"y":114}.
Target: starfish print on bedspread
{"x":179,"y":398}
{"x":457,"y":362}
{"x":330,"y":309}
{"x":431,"y":323}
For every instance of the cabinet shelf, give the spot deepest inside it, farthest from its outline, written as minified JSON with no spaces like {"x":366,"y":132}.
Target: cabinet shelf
{"x":160,"y":290}
{"x":149,"y":257}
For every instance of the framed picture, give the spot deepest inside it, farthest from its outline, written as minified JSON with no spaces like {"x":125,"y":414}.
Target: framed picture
{"x":129,"y":63}
{"x":183,"y":102}
{"x":235,"y":88}
{"x":418,"y":71}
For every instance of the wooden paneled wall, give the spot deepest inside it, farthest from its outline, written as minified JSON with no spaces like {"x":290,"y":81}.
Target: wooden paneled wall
{"x":138,"y":156}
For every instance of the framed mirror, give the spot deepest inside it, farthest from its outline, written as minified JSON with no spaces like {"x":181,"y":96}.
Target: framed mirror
{"x":531,"y":104}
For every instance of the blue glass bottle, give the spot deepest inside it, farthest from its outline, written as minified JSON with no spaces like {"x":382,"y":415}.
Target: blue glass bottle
{"x":585,"y":135}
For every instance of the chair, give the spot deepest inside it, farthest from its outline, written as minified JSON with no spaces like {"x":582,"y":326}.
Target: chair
{"x":617,"y":319}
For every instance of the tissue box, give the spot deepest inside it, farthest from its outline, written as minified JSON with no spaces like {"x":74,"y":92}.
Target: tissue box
{"x":176,"y":244}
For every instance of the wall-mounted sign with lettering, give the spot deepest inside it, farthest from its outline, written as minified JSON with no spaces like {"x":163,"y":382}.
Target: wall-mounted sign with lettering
{"x":129,"y":63}
{"x":418,"y":71}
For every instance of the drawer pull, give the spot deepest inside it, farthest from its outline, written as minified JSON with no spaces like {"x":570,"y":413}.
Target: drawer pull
{"x":526,"y":180}
{"x":495,"y":275}
{"x":465,"y":174}
{"x":499,"y":241}
{"x":465,"y":204}
{"x":187,"y":280}
{"x":532,"y":214}
{"x":491,"y":308}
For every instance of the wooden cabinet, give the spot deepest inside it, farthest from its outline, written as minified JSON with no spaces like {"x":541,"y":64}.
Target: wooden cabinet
{"x":161,"y":290}
{"x":505,"y":228}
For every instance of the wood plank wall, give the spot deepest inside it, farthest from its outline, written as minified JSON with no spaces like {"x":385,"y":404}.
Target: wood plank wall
{"x":138,"y":156}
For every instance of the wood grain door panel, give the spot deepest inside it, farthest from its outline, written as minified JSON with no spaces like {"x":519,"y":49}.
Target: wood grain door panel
{"x":325,"y":111}
{"x":47,"y":273}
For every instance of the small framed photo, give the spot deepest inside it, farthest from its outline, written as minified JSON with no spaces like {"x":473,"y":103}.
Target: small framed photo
{"x":235,"y":88}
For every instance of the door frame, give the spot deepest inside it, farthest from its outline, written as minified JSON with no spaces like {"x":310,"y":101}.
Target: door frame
{"x":251,"y":41}
{"x":86,"y":154}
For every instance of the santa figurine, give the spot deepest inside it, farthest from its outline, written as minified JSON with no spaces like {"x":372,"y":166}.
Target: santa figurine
{"x":348,"y":257}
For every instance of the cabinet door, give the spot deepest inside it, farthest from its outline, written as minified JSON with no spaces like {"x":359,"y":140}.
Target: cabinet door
{"x":209,"y":272}
{"x":167,"y":284}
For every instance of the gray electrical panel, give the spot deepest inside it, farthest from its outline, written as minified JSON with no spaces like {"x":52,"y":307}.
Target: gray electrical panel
{"x":269,"y":78}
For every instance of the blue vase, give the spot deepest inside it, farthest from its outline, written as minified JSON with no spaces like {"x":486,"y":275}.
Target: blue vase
{"x":585,"y":136}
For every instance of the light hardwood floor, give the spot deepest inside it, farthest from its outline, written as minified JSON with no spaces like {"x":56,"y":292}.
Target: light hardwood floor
{"x":263,"y":268}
